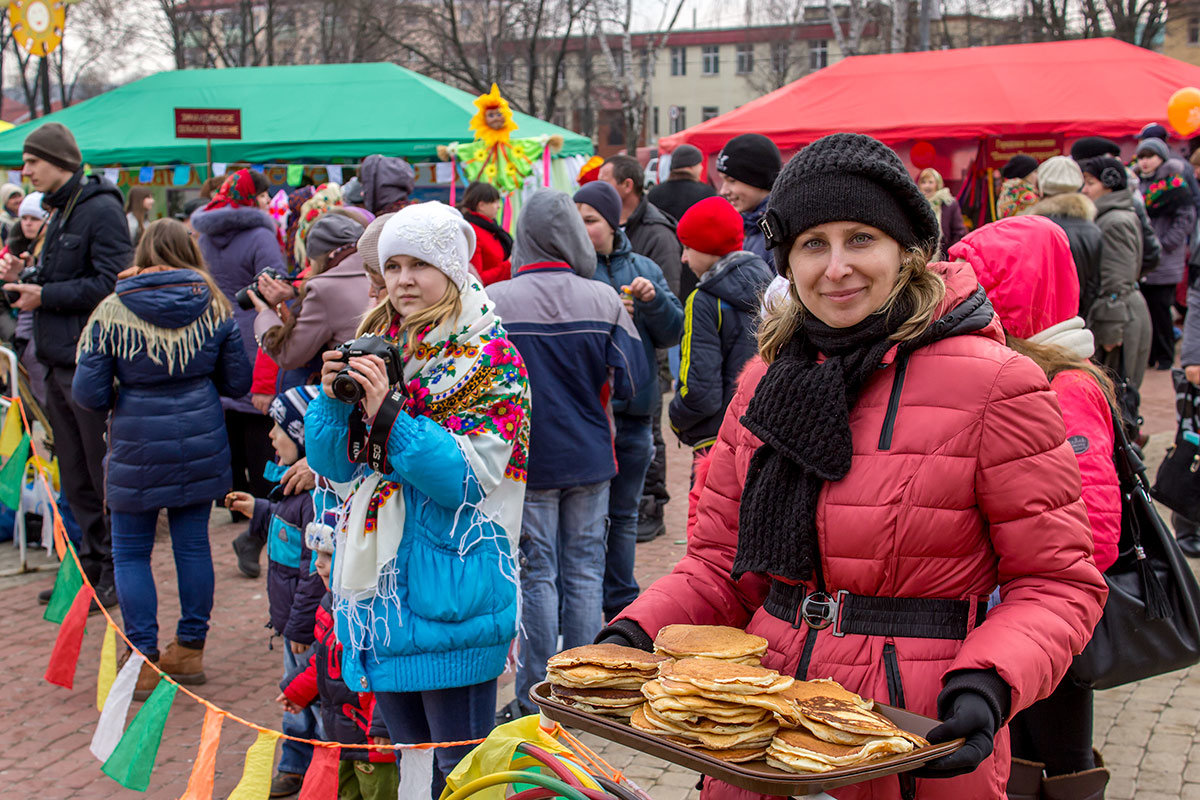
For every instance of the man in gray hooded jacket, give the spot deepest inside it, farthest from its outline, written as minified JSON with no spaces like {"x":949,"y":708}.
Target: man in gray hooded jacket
{"x":579,"y":344}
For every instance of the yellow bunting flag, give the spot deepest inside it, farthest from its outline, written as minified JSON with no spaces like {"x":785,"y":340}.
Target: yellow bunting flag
{"x":256,"y":775}
{"x":108,"y":666}
{"x":10,"y":434}
{"x":200,"y":784}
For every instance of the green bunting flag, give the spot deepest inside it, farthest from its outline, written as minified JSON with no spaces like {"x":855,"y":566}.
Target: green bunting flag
{"x":132,"y":762}
{"x":66,"y":586}
{"x":13,"y":474}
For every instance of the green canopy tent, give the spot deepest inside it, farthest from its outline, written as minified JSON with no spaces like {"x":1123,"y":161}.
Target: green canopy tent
{"x":306,"y":114}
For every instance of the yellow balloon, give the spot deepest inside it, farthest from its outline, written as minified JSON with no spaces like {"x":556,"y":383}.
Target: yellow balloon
{"x":1183,"y":111}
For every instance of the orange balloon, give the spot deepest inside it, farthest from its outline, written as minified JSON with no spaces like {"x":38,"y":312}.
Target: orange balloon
{"x":1183,"y":111}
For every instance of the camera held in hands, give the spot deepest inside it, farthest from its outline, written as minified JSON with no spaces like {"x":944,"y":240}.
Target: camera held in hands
{"x":31,"y":274}
{"x":243,"y":294}
{"x":345,"y":387}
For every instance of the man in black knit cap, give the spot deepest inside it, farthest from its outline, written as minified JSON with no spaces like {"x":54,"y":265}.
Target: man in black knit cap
{"x":748,"y":165}
{"x":86,"y":245}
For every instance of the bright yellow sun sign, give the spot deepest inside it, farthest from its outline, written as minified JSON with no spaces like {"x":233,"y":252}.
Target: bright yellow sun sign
{"x":37,"y":25}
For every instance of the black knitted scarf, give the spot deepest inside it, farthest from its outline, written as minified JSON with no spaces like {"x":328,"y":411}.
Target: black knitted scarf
{"x":801,"y":412}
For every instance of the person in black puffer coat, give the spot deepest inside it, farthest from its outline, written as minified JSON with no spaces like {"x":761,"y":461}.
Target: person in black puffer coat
{"x":1061,"y":180}
{"x":348,"y":717}
{"x":168,"y":340}
{"x":719,"y":320}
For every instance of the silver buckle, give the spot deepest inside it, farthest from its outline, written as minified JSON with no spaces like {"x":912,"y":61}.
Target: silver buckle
{"x":819,"y":610}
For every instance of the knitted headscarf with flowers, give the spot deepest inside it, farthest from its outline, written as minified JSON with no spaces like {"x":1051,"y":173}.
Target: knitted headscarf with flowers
{"x":296,"y":201}
{"x":236,"y":191}
{"x":327,"y":196}
{"x":1166,"y":192}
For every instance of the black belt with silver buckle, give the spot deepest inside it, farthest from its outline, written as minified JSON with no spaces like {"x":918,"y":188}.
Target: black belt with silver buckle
{"x":916,"y":617}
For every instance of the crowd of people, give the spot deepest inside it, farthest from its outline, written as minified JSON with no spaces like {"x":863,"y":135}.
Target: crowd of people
{"x":448,"y":438}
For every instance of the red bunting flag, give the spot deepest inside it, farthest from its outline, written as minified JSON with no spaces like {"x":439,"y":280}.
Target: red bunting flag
{"x":321,"y":780}
{"x":61,"y":670}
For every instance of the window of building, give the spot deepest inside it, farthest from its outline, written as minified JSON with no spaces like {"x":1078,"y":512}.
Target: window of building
{"x":818,"y":54}
{"x":708,"y":112}
{"x":679,"y":61}
{"x":506,"y":72}
{"x":619,"y":60}
{"x":780,"y":58}
{"x":678,"y":118}
{"x":1193,"y":30}
{"x":710,"y":59}
{"x":745,"y":59}
{"x":654,"y":122}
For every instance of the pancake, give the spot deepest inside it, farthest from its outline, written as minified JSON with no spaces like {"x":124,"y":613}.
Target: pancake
{"x":662,"y":700}
{"x":604,"y":711}
{"x":609,"y":698}
{"x":801,"y":748}
{"x":824,"y":687}
{"x":751,"y":739}
{"x":709,"y":641}
{"x":608,"y":656}
{"x":751,"y":716}
{"x":705,"y":725}
{"x":714,"y":675}
{"x":588,"y":677}
{"x":796,"y":764}
{"x":847,"y":717}
{"x":736,"y":755}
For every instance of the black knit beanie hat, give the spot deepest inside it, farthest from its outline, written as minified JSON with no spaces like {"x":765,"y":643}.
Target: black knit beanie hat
{"x":846,"y":177}
{"x":1106,"y":169}
{"x":1094,"y":146}
{"x":53,"y":142}
{"x":1019,"y":166}
{"x":750,"y":158}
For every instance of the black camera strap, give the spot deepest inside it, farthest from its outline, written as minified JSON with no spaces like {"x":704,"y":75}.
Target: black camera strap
{"x":371,"y":448}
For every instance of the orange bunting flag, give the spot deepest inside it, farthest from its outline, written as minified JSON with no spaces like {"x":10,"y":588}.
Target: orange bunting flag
{"x":200,"y":785}
{"x":321,"y":779}
{"x":256,"y":775}
{"x":61,"y":670}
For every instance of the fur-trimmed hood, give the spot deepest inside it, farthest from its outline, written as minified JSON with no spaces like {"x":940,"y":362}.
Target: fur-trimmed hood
{"x":1071,"y":204}
{"x":222,"y":224}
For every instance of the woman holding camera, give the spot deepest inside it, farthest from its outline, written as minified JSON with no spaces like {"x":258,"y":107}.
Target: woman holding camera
{"x":329,"y":305}
{"x":886,"y":463}
{"x":424,"y":581}
{"x":166,"y":337}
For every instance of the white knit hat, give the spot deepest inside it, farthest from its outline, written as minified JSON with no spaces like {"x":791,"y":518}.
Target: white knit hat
{"x":433,"y":232}
{"x":1059,"y":175}
{"x":31,"y":206}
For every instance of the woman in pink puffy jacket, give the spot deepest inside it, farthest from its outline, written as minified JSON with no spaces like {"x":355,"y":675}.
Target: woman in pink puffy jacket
{"x":1024,"y":264}
{"x":886,"y":463}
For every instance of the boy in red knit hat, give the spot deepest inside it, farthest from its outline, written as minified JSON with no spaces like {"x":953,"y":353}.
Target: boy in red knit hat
{"x":719,"y":319}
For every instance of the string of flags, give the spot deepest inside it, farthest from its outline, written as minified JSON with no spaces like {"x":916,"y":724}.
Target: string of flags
{"x":128,"y":752}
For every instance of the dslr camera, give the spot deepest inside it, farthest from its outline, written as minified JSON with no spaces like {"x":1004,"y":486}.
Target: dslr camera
{"x":31,"y":274}
{"x":345,"y":387}
{"x":243,"y":294}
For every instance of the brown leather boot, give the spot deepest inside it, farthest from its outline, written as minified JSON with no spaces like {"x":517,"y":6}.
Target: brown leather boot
{"x":1086,"y":785}
{"x":1025,"y":780}
{"x":147,"y":677}
{"x":184,"y":664}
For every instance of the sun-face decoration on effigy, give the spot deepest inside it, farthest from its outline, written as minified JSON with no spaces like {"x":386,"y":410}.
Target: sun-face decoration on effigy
{"x":494,"y":156}
{"x":37,"y":25}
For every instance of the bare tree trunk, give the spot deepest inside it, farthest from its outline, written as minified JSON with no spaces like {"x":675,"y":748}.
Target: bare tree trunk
{"x":44,"y":77}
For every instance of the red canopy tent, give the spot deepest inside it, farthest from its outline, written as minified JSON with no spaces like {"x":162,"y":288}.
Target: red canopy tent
{"x":1088,"y":87}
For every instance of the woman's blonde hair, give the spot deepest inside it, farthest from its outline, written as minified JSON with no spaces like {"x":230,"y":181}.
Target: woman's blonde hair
{"x":379,"y":318}
{"x":930,"y":171}
{"x":1053,"y":360}
{"x":921,"y":288}
{"x":167,"y":243}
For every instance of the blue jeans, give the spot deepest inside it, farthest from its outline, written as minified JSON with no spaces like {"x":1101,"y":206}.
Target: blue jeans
{"x":562,"y":576}
{"x":132,"y":543}
{"x":440,"y":715}
{"x":634,"y":444}
{"x":293,"y":756}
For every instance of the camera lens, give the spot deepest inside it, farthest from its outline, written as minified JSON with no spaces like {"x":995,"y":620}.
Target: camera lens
{"x":346,"y":389}
{"x":243,"y":298}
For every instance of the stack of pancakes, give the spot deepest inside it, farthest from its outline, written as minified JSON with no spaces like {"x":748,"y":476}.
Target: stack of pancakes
{"x":837,"y":728}
{"x":710,"y":641}
{"x":720,"y":707}
{"x":602,"y":678}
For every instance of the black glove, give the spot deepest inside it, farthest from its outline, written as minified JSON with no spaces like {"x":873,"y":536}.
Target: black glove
{"x":972,"y":717}
{"x":626,"y":633}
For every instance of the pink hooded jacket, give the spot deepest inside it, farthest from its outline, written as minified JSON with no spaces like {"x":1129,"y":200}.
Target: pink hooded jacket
{"x":975,"y":489}
{"x":1024,"y":264}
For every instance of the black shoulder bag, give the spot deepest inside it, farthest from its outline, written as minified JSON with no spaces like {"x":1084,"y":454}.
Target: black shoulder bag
{"x":1151,"y":622}
{"x":1177,"y":484}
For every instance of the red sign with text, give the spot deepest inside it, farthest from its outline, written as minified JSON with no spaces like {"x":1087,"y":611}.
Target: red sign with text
{"x":1001,"y":149}
{"x":208,"y":123}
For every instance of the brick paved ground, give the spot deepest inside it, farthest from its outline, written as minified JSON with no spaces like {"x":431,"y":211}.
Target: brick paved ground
{"x":1147,"y":732}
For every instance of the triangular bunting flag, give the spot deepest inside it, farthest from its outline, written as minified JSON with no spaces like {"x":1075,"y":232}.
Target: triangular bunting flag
{"x":295,"y":174}
{"x":321,"y":779}
{"x":64,"y":657}
{"x":66,"y":586}
{"x":200,"y":784}
{"x":256,"y":775}
{"x":10,"y":434}
{"x":13,"y":475}
{"x":116,"y":706}
{"x":108,"y":666}
{"x":416,"y":771}
{"x":133,"y":759}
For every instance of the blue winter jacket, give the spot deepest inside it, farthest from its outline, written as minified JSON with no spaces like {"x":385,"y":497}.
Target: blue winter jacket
{"x":293,"y":589}
{"x":659,"y":323}
{"x":457,"y":613}
{"x":718,"y":340}
{"x":156,"y":353}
